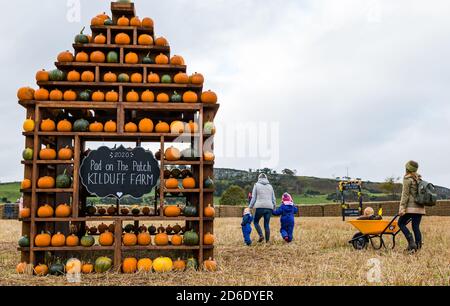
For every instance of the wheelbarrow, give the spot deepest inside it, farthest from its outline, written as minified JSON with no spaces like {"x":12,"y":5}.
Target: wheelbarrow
{"x":373,"y":231}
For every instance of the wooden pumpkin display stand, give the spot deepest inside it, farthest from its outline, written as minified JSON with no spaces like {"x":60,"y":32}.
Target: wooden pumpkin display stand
{"x":85,"y":84}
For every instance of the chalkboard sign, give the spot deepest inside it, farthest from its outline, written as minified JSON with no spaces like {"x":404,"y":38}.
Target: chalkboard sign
{"x":119,"y":172}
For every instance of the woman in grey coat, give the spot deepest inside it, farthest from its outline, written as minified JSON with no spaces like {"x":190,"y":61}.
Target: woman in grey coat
{"x":263,"y":199}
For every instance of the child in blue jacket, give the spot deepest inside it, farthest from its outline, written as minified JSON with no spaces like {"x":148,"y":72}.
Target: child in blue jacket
{"x":246,"y":224}
{"x":287,"y":211}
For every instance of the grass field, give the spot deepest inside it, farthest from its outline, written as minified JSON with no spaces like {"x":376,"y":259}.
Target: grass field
{"x":320,"y":255}
{"x":11,"y":191}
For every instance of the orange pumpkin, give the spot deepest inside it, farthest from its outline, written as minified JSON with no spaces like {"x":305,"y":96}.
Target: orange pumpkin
{"x":190,"y":97}
{"x":148,"y":96}
{"x":177,"y":127}
{"x":72,"y":241}
{"x":41,"y":270}
{"x":209,"y":97}
{"x":47,"y":153}
{"x":42,"y":240}
{"x":96,"y":127}
{"x":103,"y":16}
{"x":210,"y":265}
{"x":147,"y":23}
{"x":46,"y":182}
{"x":25,"y":94}
{"x":131,"y":58}
{"x":161,"y":41}
{"x":123,"y":21}
{"x":136,"y":78}
{"x":110,"y":127}
{"x":208,"y":239}
{"x":171,"y":183}
{"x":162,"y":127}
{"x":48,"y":125}
{"x":173,"y":154}
{"x":209,"y":211}
{"x":153,"y":78}
{"x":96,"y":21}
{"x":181,"y":78}
{"x":132,"y":96}
{"x":63,"y":211}
{"x":145,"y":40}
{"x":42,"y":76}
{"x":73,"y":76}
{"x":172,"y":211}
{"x":146,"y":126}
{"x":192,"y":127}
{"x":26,"y":184}
{"x":129,"y":265}
{"x":176,"y":240}
{"x":25,"y":213}
{"x":88,"y":76}
{"x":122,"y":39}
{"x":131,"y":128}
{"x":106,"y":239}
{"x":82,"y":57}
{"x":56,"y":95}
{"x":179,"y":265}
{"x":98,"y":57}
{"x":110,"y":77}
{"x":100,"y":39}
{"x":163,"y":98}
{"x":162,"y":59}
{"x":145,"y":265}
{"x":87,"y":268}
{"x":197,"y":79}
{"x":65,"y":154}
{"x":41,"y":94}
{"x":98,"y":96}
{"x":45,"y":211}
{"x":65,"y":57}
{"x":112,"y":96}
{"x":70,"y":95}
{"x":189,"y":183}
{"x":129,"y":239}
{"x":177,"y":60}
{"x":144,"y":239}
{"x":22,"y":268}
{"x":135,"y":22}
{"x":161,"y":239}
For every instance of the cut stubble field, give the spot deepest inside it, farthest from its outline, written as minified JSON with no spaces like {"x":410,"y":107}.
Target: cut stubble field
{"x":320,"y":255}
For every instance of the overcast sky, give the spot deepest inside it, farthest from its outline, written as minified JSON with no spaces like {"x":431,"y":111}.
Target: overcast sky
{"x":362,"y":84}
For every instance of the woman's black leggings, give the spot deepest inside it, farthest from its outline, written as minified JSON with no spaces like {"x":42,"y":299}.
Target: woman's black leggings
{"x":415,"y":220}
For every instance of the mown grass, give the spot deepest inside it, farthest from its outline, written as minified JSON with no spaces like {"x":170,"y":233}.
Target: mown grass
{"x":11,"y":191}
{"x":320,"y":255}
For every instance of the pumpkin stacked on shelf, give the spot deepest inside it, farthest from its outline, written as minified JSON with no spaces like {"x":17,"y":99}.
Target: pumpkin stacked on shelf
{"x":119,"y":82}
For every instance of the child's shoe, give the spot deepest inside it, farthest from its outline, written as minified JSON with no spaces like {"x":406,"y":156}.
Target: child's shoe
{"x":286,"y":239}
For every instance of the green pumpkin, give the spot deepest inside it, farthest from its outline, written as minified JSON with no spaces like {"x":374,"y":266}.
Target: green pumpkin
{"x":24,"y":242}
{"x":81,"y":125}
{"x":210,"y":128}
{"x":176,"y":97}
{"x":56,"y":269}
{"x":108,"y":22}
{"x":166,"y":79}
{"x":82,"y":38}
{"x":27,"y":154}
{"x":190,"y":210}
{"x":147,"y":59}
{"x":136,"y":211}
{"x":91,"y":210}
{"x":152,"y":230}
{"x":63,"y":180}
{"x":56,"y":75}
{"x":191,"y":238}
{"x":129,"y":228}
{"x":192,"y":264}
{"x":123,"y":78}
{"x":112,"y":57}
{"x":102,"y":265}
{"x":85,"y":95}
{"x":209,"y":183}
{"x":87,"y":241}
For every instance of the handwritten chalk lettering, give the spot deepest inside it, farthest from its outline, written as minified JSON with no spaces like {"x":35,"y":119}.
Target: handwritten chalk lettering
{"x":119,"y":172}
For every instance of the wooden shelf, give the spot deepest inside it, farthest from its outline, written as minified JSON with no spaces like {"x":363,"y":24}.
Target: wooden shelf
{"x":170,"y":86}
{"x":121,"y":218}
{"x":93,"y":47}
{"x":150,"y":67}
{"x":54,"y":190}
{"x":163,"y":248}
{"x":121,"y":28}
{"x":49,"y":162}
{"x":69,"y":249}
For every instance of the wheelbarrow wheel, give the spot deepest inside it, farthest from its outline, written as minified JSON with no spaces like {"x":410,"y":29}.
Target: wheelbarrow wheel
{"x":360,"y":241}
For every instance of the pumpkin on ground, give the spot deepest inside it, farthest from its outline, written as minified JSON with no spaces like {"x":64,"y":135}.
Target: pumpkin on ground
{"x":73,"y":266}
{"x":63,"y":211}
{"x":87,"y":268}
{"x":145,"y":265}
{"x":192,"y":264}
{"x":210,"y":265}
{"x":45,"y":211}
{"x":41,"y":270}
{"x":162,"y":264}
{"x":42,"y":240}
{"x":179,"y":265}
{"x":129,"y":265}
{"x":103,"y":264}
{"x":57,"y":269}
{"x":22,"y":268}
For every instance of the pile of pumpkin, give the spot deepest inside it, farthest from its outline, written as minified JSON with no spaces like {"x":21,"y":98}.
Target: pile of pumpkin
{"x":91,"y":210}
{"x":104,"y":264}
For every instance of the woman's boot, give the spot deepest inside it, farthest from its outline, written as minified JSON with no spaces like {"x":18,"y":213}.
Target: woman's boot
{"x":412,"y":246}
